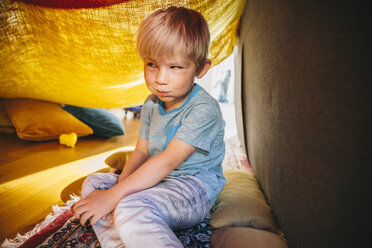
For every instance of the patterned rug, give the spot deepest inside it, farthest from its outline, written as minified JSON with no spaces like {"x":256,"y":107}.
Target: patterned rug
{"x":61,"y":229}
{"x":65,"y":231}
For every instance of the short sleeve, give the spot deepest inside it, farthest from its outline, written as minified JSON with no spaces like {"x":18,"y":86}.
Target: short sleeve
{"x":146,"y":113}
{"x":201,"y":126}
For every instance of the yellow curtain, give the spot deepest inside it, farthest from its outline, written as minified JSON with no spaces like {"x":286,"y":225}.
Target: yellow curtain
{"x":87,"y":57}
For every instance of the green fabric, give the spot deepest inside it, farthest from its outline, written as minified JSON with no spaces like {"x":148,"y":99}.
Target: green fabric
{"x":101,"y":121}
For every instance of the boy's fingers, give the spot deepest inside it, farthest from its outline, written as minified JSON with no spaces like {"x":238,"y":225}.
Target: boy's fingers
{"x":79,"y":211}
{"x":84,"y":218}
{"x":94,"y":220}
{"x":76,"y":214}
{"x":78,"y":204}
{"x":77,"y":208}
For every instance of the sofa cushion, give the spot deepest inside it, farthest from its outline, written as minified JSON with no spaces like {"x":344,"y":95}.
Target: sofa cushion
{"x":243,"y":237}
{"x":241,"y":203}
{"x":39,"y":120}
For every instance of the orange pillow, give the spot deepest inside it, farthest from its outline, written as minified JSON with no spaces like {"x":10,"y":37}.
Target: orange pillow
{"x":6,"y":125}
{"x":40,"y":120}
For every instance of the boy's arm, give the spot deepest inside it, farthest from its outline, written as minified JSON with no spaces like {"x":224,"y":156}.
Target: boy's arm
{"x":136,"y":158}
{"x":99,"y":203}
{"x":154,"y":169}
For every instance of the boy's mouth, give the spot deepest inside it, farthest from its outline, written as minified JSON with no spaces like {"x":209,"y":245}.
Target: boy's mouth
{"x":162,"y":93}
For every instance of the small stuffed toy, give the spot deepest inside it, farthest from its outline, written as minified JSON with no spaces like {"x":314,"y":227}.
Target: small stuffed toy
{"x":68,"y":139}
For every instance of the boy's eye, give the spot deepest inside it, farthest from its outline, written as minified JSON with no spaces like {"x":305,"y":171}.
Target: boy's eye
{"x":150,"y":64}
{"x":176,"y":67}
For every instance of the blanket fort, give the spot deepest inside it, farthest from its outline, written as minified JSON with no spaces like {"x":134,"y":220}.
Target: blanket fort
{"x":86,"y":55}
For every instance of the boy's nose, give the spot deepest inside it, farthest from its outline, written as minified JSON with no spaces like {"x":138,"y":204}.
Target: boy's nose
{"x":162,"y":77}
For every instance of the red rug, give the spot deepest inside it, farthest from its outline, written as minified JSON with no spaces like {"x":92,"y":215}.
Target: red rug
{"x":63,"y":230}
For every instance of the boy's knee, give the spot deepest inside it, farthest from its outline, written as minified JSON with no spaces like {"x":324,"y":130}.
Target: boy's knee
{"x":131,"y":220}
{"x":88,"y":185}
{"x":133,"y":209}
{"x":93,"y":182}
{"x":140,"y":224}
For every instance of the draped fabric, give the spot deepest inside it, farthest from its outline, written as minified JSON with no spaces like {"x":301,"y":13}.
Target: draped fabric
{"x":74,"y":3}
{"x":86,"y":55}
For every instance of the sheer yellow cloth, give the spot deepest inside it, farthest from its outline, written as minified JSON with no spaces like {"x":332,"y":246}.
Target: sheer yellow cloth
{"x":88,"y":57}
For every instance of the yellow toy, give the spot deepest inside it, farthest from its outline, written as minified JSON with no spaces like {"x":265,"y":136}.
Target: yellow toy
{"x":68,"y":139}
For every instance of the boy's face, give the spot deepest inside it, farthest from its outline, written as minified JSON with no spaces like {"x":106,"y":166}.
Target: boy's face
{"x":170,"y":79}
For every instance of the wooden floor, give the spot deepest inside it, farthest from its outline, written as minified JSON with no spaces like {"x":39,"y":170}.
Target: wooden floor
{"x":36,"y":175}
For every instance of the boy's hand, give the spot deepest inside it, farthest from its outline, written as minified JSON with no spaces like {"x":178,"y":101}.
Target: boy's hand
{"x":111,"y":219}
{"x":96,"y":205}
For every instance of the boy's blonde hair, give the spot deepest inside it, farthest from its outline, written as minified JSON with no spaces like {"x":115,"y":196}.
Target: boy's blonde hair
{"x":174,"y":32}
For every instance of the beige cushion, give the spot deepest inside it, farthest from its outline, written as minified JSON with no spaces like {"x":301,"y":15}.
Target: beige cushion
{"x":242,"y":237}
{"x":241,"y":203}
{"x":117,"y":160}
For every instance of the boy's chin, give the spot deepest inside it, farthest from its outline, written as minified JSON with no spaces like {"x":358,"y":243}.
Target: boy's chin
{"x":165,"y":99}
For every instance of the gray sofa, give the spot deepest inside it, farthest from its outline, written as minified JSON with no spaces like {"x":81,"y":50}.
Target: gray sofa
{"x":305,"y":67}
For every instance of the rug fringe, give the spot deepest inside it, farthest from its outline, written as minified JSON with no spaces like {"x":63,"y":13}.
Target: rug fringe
{"x":57,"y":210}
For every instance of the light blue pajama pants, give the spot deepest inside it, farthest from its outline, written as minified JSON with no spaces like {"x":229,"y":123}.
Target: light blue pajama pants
{"x":146,"y":218}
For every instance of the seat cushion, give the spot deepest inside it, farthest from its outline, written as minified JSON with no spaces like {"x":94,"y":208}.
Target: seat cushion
{"x":243,"y":237}
{"x":241,"y":203}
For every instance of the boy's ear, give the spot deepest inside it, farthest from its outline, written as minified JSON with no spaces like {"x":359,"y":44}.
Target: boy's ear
{"x":204,"y":69}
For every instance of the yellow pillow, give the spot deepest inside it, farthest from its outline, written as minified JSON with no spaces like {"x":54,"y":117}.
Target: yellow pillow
{"x":40,"y":120}
{"x":6,"y":125}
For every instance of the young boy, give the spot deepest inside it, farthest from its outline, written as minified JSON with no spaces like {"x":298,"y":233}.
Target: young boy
{"x":174,"y":174}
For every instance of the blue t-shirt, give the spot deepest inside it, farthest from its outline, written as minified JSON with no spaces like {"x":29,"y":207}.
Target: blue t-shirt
{"x":199,"y":123}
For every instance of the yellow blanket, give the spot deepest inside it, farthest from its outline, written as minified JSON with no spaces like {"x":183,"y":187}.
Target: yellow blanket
{"x":87,"y":56}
